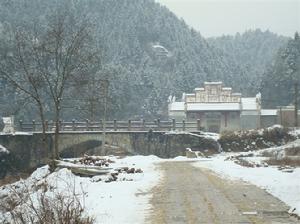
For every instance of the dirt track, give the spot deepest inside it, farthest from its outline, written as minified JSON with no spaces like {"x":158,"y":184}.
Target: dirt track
{"x":192,"y":195}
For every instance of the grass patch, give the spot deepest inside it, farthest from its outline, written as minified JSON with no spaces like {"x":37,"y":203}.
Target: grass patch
{"x":13,"y":178}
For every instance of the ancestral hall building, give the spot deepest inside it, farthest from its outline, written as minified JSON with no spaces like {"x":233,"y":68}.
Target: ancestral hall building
{"x":218,"y":108}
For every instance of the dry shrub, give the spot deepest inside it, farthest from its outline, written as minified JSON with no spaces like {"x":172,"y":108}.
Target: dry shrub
{"x":254,"y":139}
{"x":267,"y":153}
{"x":287,"y":161}
{"x":228,"y":135}
{"x":8,"y":179}
{"x":55,"y":208}
{"x":240,"y":140}
{"x":277,"y":135}
{"x":293,"y":151}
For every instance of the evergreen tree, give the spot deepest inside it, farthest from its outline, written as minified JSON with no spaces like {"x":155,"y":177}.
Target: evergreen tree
{"x":278,"y":83}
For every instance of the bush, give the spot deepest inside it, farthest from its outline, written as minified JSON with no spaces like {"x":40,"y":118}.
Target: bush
{"x":277,"y":134}
{"x":287,"y":161}
{"x":293,"y":151}
{"x":254,"y":139}
{"x":42,"y":206}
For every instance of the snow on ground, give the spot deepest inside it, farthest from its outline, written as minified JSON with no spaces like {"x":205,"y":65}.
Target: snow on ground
{"x":295,"y":132}
{"x":16,"y":133}
{"x":209,"y":135}
{"x":285,"y":186}
{"x":279,"y":151}
{"x":125,"y":201}
{"x":128,"y":201}
{"x":114,"y":202}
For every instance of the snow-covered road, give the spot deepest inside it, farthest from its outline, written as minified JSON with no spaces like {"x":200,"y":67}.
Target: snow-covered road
{"x":189,"y":194}
{"x":283,"y":185}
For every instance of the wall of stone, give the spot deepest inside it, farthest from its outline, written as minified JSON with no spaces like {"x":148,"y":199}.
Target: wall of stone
{"x":268,"y":121}
{"x":26,"y":151}
{"x":171,"y":145}
{"x":249,"y":122}
{"x":287,"y":117}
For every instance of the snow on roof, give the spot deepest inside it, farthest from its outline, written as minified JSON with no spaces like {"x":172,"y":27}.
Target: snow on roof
{"x":249,"y":112}
{"x":157,"y":46}
{"x":226,"y":88}
{"x":269,"y":112}
{"x":213,"y":83}
{"x":213,"y":106}
{"x":249,"y":103}
{"x":177,"y":106}
{"x":190,"y":94}
{"x":199,"y":89}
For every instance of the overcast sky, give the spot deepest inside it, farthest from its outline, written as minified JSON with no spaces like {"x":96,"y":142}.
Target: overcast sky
{"x":217,"y":17}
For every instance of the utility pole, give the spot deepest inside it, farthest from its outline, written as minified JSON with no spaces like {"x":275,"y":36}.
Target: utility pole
{"x":296,"y":104}
{"x":281,"y":123}
{"x":105,"y":93}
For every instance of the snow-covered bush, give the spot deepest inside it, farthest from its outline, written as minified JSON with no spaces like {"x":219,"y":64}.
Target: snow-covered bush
{"x":39,"y":200}
{"x":293,"y":151}
{"x":277,"y":134}
{"x":254,"y":139}
{"x":286,"y":161}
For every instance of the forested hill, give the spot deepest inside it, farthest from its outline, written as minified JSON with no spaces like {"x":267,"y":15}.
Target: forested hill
{"x":280,"y":77}
{"x":253,"y":51}
{"x":148,"y":54}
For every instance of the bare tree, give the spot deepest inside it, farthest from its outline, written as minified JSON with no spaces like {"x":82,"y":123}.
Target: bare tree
{"x":65,"y":53}
{"x":47,"y":58}
{"x":17,"y":66}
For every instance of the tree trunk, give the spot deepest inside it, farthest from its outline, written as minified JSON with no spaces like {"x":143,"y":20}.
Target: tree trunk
{"x":45,"y":145}
{"x":42,"y":116}
{"x":56,"y":134}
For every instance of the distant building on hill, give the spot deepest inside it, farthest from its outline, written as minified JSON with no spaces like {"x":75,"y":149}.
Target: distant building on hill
{"x":218,"y":108}
{"x":160,"y":51}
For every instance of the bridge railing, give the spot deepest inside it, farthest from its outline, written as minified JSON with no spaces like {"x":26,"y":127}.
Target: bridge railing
{"x":114,"y":125}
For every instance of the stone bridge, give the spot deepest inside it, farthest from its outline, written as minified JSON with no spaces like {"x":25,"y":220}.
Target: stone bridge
{"x":29,"y":150}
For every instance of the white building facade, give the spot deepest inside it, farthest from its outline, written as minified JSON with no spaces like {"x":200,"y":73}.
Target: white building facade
{"x":217,"y":108}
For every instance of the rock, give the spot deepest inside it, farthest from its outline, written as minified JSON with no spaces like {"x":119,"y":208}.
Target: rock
{"x":110,"y":179}
{"x":96,"y":179}
{"x":139,"y":170}
{"x":125,"y":168}
{"x":200,"y":154}
{"x":288,"y":170}
{"x":115,"y":175}
{"x":131,"y":170}
{"x":190,"y":154}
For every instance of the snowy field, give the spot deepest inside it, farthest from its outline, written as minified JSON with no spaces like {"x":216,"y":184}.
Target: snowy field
{"x":283,"y":185}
